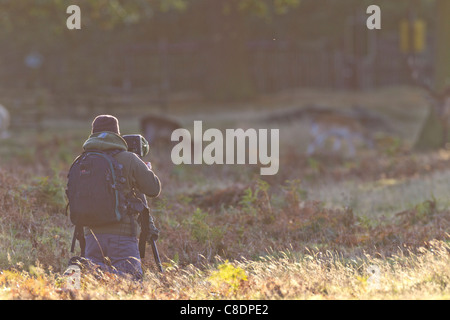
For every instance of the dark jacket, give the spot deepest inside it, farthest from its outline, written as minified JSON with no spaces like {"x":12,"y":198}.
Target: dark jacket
{"x":137,"y":175}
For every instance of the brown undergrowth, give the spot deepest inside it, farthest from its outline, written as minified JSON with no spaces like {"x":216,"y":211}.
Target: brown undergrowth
{"x":261,"y":238}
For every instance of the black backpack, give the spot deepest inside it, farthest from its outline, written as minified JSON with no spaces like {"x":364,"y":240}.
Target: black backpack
{"x":95,"y":191}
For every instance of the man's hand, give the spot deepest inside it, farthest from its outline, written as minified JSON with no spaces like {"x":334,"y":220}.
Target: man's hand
{"x":153,"y":233}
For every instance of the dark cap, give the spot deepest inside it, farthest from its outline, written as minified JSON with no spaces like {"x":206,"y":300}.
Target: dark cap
{"x":105,"y":123}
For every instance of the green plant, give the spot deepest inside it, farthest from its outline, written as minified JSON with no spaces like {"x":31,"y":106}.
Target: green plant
{"x":228,"y":275}
{"x":425,"y":210}
{"x":201,"y":231}
{"x":248,"y":200}
{"x":48,"y":191}
{"x":294,"y":192}
{"x":258,"y":199}
{"x":314,"y":164}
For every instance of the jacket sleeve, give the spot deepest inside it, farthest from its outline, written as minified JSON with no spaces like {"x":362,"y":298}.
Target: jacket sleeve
{"x":145,"y":179}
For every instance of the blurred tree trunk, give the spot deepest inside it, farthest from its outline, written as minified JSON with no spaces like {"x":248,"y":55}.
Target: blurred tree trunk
{"x":227,"y":74}
{"x":432,"y":135}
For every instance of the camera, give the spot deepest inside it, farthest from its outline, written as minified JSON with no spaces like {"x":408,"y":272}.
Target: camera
{"x":137,"y":144}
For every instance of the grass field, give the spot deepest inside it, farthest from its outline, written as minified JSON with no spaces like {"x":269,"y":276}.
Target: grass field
{"x":376,"y":226}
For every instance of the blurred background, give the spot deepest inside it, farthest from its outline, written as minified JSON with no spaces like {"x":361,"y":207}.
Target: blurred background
{"x":166,"y":56}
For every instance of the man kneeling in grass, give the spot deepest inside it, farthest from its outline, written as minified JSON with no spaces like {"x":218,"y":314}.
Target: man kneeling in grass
{"x":102,"y":184}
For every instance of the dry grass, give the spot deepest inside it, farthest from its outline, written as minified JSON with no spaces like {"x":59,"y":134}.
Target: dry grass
{"x":313,"y":231}
{"x":314,"y":275}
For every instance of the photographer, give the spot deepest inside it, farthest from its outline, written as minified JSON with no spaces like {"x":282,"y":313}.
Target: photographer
{"x":114,"y":246}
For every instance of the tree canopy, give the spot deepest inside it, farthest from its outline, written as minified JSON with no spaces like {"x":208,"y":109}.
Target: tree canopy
{"x":226,"y":25}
